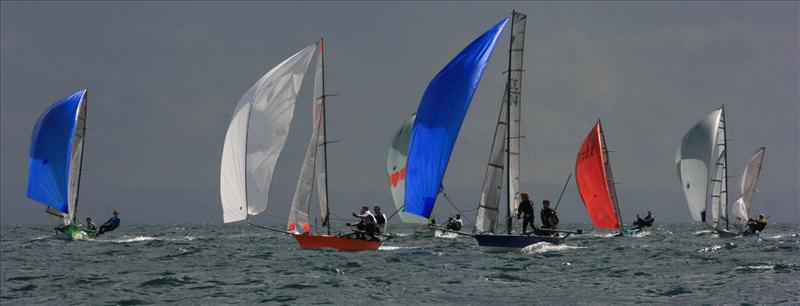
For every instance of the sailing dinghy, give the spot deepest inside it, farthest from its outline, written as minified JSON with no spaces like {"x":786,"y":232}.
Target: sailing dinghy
{"x":596,"y":183}
{"x":504,"y":155}
{"x":256,"y":136}
{"x":702,"y":164}
{"x":56,"y":163}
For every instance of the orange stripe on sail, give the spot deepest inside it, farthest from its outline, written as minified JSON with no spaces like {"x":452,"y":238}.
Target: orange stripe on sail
{"x":397,"y":176}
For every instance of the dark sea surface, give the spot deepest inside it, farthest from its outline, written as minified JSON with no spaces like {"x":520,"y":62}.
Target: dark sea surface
{"x":241,"y":264}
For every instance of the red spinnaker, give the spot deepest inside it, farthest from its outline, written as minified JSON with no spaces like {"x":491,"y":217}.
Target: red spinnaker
{"x":592,"y":180}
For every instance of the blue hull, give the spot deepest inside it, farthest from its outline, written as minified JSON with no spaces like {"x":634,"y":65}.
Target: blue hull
{"x":507,"y":243}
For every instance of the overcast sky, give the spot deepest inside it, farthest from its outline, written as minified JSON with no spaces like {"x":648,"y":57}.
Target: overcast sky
{"x":164,"y":78}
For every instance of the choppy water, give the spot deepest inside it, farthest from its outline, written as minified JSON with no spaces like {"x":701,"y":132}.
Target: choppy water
{"x":239,"y":264}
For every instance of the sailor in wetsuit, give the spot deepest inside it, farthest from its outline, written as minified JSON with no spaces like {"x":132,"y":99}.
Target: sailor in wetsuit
{"x":90,"y":225}
{"x":380,"y":219}
{"x":525,"y":211}
{"x":755,"y":226}
{"x":548,"y":215}
{"x":454,"y":223}
{"x":111,"y":224}
{"x":648,"y":220}
{"x":366,"y":224}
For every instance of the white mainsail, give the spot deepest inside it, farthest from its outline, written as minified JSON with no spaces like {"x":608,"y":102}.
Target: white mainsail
{"x":76,"y":160}
{"x":749,"y":185}
{"x":506,"y":137}
{"x":319,"y":114}
{"x":256,"y":136}
{"x":694,"y":160}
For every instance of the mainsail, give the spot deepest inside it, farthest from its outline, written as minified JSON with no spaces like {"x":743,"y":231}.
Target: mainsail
{"x":396,"y":170}
{"x":595,"y":181}
{"x":695,"y":158}
{"x":298,"y":214}
{"x":749,"y":185}
{"x":439,"y":117}
{"x":56,"y":155}
{"x":506,"y":135}
{"x":256,"y":136}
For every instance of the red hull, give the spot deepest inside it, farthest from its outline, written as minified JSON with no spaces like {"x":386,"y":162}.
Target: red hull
{"x":333,"y":242}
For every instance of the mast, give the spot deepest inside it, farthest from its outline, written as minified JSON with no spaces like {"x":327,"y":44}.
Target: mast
{"x":325,"y":221}
{"x":607,"y":163}
{"x":724,"y":168}
{"x":85,"y":105}
{"x":508,"y":122}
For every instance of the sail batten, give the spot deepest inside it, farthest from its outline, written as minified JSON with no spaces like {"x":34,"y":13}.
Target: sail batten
{"x":256,"y":136}
{"x":439,"y":117}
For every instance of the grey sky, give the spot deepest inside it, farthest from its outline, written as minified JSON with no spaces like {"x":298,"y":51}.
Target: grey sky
{"x":164,"y":78}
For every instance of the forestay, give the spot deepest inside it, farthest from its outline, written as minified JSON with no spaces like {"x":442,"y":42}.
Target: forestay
{"x":55,"y":154}
{"x":694,"y":160}
{"x":439,"y":117}
{"x":256,"y":136}
{"x":396,"y":170}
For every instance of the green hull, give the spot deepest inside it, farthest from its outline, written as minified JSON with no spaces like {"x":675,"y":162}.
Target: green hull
{"x":74,"y":232}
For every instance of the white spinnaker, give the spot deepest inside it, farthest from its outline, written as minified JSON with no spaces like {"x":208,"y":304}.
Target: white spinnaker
{"x":319,"y":115}
{"x":396,"y":170}
{"x":75,"y":159}
{"x":517,"y":45}
{"x":749,"y":185}
{"x":256,"y":136}
{"x":488,"y":207}
{"x":694,"y":160}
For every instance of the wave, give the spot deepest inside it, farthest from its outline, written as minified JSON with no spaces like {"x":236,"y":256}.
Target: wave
{"x":543,"y":247}
{"x":394,"y":248}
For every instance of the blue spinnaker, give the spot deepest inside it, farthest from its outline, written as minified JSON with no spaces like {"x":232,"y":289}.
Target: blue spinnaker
{"x":51,"y":153}
{"x":439,"y":117}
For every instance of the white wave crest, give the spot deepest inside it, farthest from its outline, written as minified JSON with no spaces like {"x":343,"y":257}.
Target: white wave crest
{"x":543,"y":247}
{"x":710,"y":249}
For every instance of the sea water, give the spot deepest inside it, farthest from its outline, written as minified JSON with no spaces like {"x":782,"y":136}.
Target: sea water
{"x":241,"y":264}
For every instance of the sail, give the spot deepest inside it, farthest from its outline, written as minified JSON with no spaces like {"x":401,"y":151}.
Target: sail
{"x":694,"y":160}
{"x":439,"y":117}
{"x":594,"y":182}
{"x":717,"y":194}
{"x":55,"y":154}
{"x":256,"y":136}
{"x":298,"y":214}
{"x":489,"y":205}
{"x":396,"y":170}
{"x":749,"y":185}
{"x":515,"y":90}
{"x":321,"y":147}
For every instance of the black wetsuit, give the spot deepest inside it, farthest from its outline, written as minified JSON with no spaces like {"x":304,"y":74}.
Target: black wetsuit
{"x":549,"y":218}
{"x":380,"y":219}
{"x":110,"y":225}
{"x":454,"y":224}
{"x":526,"y":211}
{"x":648,"y":221}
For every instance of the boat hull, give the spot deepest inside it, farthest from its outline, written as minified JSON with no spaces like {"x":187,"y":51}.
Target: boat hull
{"x":726,"y":233}
{"x":512,"y":243}
{"x":335,"y":242}
{"x":73,"y":232}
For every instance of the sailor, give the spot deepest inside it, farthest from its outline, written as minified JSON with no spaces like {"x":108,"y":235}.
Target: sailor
{"x":366,"y":223}
{"x":648,"y":220}
{"x":525,"y":211}
{"x":90,"y":225}
{"x":548,"y":215}
{"x":110,"y":225}
{"x":381,"y":219}
{"x":454,"y":223}
{"x":639,"y":223}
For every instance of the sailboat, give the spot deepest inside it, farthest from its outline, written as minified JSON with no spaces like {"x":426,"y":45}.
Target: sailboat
{"x":596,"y":183}
{"x":255,"y":138}
{"x":438,"y":121}
{"x":504,"y":159}
{"x":741,"y":208}
{"x":703,"y":151}
{"x":56,"y":162}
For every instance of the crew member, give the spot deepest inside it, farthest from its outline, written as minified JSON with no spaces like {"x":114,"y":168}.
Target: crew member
{"x":548,"y":215}
{"x":380,"y":220}
{"x":525,"y":211}
{"x":111,"y":224}
{"x":454,"y":223}
{"x":366,"y":223}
